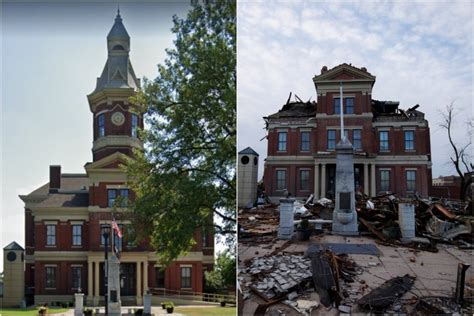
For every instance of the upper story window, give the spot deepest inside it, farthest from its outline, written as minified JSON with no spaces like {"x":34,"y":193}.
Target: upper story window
{"x":384,"y":180}
{"x":101,"y":121}
{"x":51,"y":235}
{"x":282,"y":136}
{"x":384,"y":145}
{"x":50,"y":275}
{"x":131,"y":236}
{"x":134,"y":131}
{"x":281,"y":179}
{"x":305,"y":141}
{"x":103,"y":228}
{"x":76,"y":235}
{"x":409,"y":140}
{"x":304,"y":180}
{"x":411,"y":180}
{"x":186,"y":277}
{"x":114,"y":194}
{"x":331,"y":139}
{"x":357,"y":138}
{"x":348,"y":105}
{"x":205,"y":239}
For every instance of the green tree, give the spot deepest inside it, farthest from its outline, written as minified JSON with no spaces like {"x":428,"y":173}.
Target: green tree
{"x":223,"y":275}
{"x":186,"y":176}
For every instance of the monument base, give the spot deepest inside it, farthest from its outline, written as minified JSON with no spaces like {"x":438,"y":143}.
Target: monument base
{"x":350,"y":226}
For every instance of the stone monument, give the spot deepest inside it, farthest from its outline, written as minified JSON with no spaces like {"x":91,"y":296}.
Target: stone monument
{"x":114,"y":286}
{"x":286,"y":228}
{"x":344,"y":219}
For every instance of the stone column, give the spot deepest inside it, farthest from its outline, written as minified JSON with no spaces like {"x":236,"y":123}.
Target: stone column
{"x":366,"y":178}
{"x":373,"y":192}
{"x":79,"y":303}
{"x":97,"y":281}
{"x":145,"y":277}
{"x":147,"y":304}
{"x":316,"y":182}
{"x":139,"y":279}
{"x":90,"y":281}
{"x":323,"y":180}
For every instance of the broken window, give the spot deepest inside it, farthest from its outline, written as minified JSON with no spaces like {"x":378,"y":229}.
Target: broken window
{"x":384,"y":146}
{"x":411,"y":180}
{"x":305,"y":141}
{"x":282,"y":141}
{"x":331,"y":139}
{"x":304,"y":180}
{"x":409,"y":140}
{"x":281,"y":179}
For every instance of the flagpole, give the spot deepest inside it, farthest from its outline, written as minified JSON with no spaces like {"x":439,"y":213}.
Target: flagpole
{"x":341,"y":102}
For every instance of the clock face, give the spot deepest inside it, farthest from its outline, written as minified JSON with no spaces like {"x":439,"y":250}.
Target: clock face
{"x":118,"y":118}
{"x":11,"y":256}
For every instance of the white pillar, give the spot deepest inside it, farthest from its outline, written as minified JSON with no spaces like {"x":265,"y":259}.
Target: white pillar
{"x":139,"y":280}
{"x":366,"y":178}
{"x":323,"y":180}
{"x":316,"y":182}
{"x":373,"y":192}
{"x":97,"y":281}
{"x":145,"y":277}
{"x":90,"y":281}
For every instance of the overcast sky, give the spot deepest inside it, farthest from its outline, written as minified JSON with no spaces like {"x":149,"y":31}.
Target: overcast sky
{"x":421,"y":53}
{"x":52,"y":54}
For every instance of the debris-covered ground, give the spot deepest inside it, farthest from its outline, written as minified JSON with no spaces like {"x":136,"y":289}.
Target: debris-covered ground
{"x":378,"y":271}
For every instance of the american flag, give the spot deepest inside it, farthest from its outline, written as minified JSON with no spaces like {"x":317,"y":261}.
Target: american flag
{"x":116,"y":228}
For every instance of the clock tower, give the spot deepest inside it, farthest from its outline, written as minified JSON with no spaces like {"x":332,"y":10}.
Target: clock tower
{"x":116,"y":121}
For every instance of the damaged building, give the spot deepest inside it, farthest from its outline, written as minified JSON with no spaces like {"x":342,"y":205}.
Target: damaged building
{"x":391,"y":145}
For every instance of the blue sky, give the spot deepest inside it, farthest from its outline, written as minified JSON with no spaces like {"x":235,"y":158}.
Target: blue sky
{"x":52,"y":54}
{"x":420,"y":52}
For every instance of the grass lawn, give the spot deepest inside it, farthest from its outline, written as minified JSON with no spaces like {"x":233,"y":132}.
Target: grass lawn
{"x":204,"y":311}
{"x":30,"y":311}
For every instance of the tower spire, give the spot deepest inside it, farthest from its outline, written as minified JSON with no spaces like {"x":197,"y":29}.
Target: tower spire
{"x":118,"y":10}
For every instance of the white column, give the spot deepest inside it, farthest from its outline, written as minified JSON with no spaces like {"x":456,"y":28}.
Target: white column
{"x":90,"y":280}
{"x":96,"y":277}
{"x":139,"y":278}
{"x":372,"y":180}
{"x":316,"y":182}
{"x":323,"y":180}
{"x":366,"y":178}
{"x":145,"y":277}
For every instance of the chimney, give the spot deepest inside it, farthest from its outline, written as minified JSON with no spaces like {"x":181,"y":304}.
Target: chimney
{"x":54,"y":178}
{"x":324,"y":69}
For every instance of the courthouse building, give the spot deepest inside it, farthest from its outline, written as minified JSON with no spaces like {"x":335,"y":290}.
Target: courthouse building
{"x":391,"y":146}
{"x":65,"y":218}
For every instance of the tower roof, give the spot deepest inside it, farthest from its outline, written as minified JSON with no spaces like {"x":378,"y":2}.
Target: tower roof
{"x":248,"y":151}
{"x":13,"y":246}
{"x":118,"y":29}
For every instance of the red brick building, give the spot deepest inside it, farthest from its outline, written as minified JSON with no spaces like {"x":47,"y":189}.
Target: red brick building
{"x":65,"y":218}
{"x":391,"y":146}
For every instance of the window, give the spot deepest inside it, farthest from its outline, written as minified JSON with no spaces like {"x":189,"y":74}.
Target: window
{"x":117,"y":240}
{"x":384,"y":180}
{"x":131,"y":236}
{"x":101,"y":125}
{"x":411,"y":180}
{"x":331,"y":139}
{"x":245,"y":160}
{"x":102,"y":230}
{"x":114,"y":194}
{"x":383,"y":141}
{"x":304,"y":180}
{"x":50,"y":277}
{"x":205,"y":239}
{"x":409,"y":140}
{"x":349,"y":105}
{"x":160,"y":277}
{"x":337,"y":106}
{"x":76,"y":277}
{"x":305,"y":139}
{"x":51,"y":235}
{"x":282,"y":141}
{"x":186,"y":277}
{"x":134,"y":125}
{"x":281,"y":179}
{"x":357,"y":138}
{"x":76,"y":235}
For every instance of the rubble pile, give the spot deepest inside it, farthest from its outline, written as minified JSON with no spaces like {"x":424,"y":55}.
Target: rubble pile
{"x":277,"y":275}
